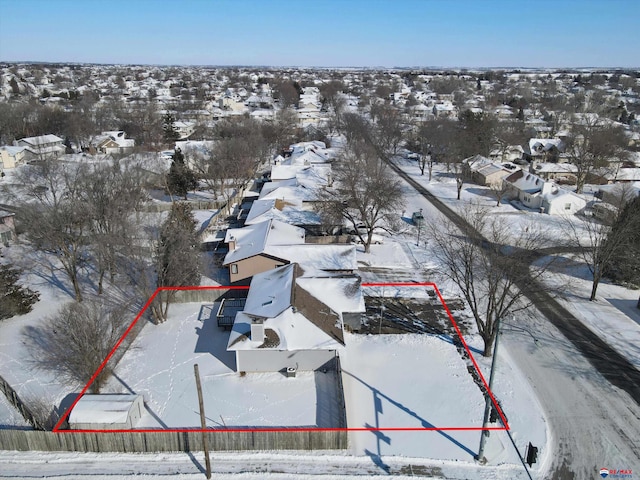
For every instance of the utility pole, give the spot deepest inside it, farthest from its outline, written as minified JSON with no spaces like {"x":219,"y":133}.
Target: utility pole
{"x":203,"y":423}
{"x":489,"y":404}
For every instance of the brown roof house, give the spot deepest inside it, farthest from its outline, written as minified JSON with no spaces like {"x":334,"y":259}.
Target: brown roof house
{"x":293,"y":322}
{"x":249,"y":247}
{"x":484,"y":171}
{"x":266,"y":245}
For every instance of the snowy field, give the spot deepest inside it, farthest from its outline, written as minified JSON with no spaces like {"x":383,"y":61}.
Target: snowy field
{"x":408,"y":381}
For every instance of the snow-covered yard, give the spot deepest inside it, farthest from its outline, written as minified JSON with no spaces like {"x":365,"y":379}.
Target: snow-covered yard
{"x":159,"y":365}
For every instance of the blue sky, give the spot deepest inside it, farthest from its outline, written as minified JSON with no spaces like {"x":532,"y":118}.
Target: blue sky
{"x":447,"y":33}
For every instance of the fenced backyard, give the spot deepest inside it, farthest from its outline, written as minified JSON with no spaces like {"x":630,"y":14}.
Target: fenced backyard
{"x":147,"y":442}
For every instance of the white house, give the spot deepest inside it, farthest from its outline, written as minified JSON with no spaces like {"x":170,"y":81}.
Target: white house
{"x":545,"y":196}
{"x":11,"y":157}
{"x":42,"y":147}
{"x":291,"y":322}
{"x":106,"y":412}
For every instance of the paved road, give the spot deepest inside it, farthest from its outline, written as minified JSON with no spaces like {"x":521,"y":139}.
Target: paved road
{"x":590,"y":392}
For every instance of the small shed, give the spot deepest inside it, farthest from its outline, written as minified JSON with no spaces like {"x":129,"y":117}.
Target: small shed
{"x":106,"y":412}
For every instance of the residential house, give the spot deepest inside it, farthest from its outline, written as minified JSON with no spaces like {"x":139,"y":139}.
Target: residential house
{"x":7,"y":227}
{"x":484,"y":171}
{"x":564,"y":173}
{"x":184,"y":129}
{"x":11,"y":157}
{"x":42,"y":147}
{"x":544,"y":149}
{"x":509,"y":153}
{"x":106,"y":412}
{"x":545,"y":196}
{"x":262,"y":102}
{"x":292,"y":322}
{"x":249,"y":247}
{"x":114,"y":143}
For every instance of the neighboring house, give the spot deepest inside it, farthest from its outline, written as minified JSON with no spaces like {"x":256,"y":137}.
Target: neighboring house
{"x":184,"y":129}
{"x":511,"y":153}
{"x":11,"y":157}
{"x":484,"y":171}
{"x":114,"y":143}
{"x":293,"y":323}
{"x":249,"y":247}
{"x":42,"y":147}
{"x":267,"y":245}
{"x":626,"y":175}
{"x":232,"y":103}
{"x":7,"y":227}
{"x":538,"y":194}
{"x":544,"y":149}
{"x":259,"y":102}
{"x":293,"y":212}
{"x":106,"y":412}
{"x":561,"y":172}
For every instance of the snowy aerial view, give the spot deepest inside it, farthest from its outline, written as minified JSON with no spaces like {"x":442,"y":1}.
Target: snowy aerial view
{"x":320,"y":240}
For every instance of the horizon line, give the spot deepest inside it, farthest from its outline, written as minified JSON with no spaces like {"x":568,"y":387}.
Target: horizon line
{"x":317,"y":67}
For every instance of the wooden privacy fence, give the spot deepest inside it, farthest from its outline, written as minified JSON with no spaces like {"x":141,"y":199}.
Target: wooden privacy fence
{"x":162,"y":441}
{"x":14,"y":399}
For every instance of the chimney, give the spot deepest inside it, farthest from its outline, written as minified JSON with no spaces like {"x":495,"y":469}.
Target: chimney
{"x":257,"y":330}
{"x":329,"y":180}
{"x":232,"y":243}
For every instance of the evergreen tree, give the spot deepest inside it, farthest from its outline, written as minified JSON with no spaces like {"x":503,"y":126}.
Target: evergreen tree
{"x":180,"y":178}
{"x":177,"y":257}
{"x":14,"y":298}
{"x":170,"y":132}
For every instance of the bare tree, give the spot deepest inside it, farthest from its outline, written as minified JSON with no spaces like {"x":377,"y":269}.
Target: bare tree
{"x":74,"y":342}
{"x":55,"y":219}
{"x":111,"y":195}
{"x":487,"y":263}
{"x":599,"y":241}
{"x":365,"y":193}
{"x":593,"y":145}
{"x":388,"y":133}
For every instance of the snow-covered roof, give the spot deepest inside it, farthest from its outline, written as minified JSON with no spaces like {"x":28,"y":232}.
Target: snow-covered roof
{"x":297,"y":313}
{"x":11,"y":150}
{"x":254,"y":239}
{"x":284,"y":172}
{"x":41,"y":140}
{"x":555,"y":168}
{"x":540,"y":145}
{"x":110,"y":408}
{"x":269,"y":187}
{"x":341,"y":294}
{"x":525,"y":182}
{"x":315,"y":258}
{"x":292,"y":194}
{"x":287,"y":212}
{"x":270,"y":292}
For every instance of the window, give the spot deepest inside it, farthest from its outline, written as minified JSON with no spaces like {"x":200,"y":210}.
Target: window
{"x":234,"y":268}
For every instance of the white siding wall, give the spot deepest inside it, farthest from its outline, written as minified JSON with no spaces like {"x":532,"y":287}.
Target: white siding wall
{"x":276,"y":360}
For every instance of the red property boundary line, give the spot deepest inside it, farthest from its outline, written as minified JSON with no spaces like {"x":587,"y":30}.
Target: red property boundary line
{"x":505,"y":424}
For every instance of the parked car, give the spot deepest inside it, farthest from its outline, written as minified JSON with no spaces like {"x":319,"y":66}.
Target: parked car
{"x":417,"y":218}
{"x":375,"y":239}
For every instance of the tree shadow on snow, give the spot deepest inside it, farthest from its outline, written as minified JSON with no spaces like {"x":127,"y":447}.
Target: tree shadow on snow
{"x":378,"y":398}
